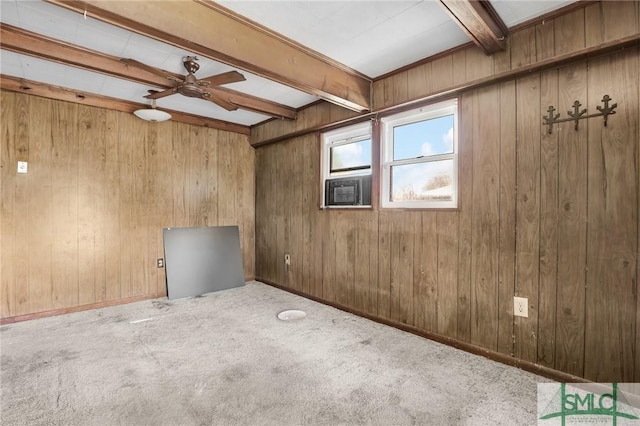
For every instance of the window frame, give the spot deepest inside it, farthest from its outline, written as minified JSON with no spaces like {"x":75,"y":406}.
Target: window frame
{"x":428,"y":112}
{"x":339,"y":137}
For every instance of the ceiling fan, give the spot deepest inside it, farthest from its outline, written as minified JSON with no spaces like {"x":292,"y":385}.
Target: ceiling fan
{"x":189,"y":85}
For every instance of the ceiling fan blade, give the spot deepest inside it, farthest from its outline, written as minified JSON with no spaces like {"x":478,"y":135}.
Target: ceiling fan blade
{"x":153,"y":70}
{"x":158,"y":95}
{"x":219,"y":101}
{"x":224,"y":78}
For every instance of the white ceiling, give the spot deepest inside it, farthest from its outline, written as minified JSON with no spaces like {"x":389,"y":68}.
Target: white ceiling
{"x":370,"y":36}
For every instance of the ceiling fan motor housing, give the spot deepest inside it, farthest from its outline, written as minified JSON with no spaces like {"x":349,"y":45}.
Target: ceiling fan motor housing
{"x":190,"y":90}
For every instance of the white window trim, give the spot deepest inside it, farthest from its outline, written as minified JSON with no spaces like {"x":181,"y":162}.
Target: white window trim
{"x":343,"y":136}
{"x":428,"y":112}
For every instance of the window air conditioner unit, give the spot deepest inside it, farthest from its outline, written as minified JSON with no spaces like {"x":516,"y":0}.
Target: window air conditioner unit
{"x":348,"y":191}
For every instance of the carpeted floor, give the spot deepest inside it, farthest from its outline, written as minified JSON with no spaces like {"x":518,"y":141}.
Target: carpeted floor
{"x":225,"y":359}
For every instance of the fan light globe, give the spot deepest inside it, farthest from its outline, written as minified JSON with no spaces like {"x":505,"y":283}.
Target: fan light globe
{"x":151,"y":114}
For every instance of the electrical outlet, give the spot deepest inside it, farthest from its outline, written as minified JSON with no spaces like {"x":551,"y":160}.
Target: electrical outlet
{"x":287,"y":259}
{"x":521,"y":307}
{"x":22,"y":167}
{"x":160,"y":263}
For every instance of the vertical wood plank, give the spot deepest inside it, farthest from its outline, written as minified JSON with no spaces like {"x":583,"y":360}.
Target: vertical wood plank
{"x":99,"y":169}
{"x":395,"y":278}
{"x":426,"y":270}
{"x":478,"y":65}
{"x":400,"y":87}
{"x":507,"y":231}
{"x":569,"y":32}
{"x":22,"y":225}
{"x":420,"y":80}
{"x":197,"y":181}
{"x":154,"y":206}
{"x":248,"y":211}
{"x":465,"y":194}
{"x":329,"y":247}
{"x":572,"y":225}
{"x":126,"y":164}
{"x":528,"y":213}
{"x":227,"y":180}
{"x":282,"y":212}
{"x":442,"y":72}
{"x":459,"y":64}
{"x":619,"y":19}
{"x":296,"y":208}
{"x":548,"y":227}
{"x":361,"y":263}
{"x":523,"y":47}
{"x":88,"y":132}
{"x":447,"y":290}
{"x":485,"y":226}
{"x":377,"y":97}
{"x":40,"y":235}
{"x":406,"y":254}
{"x":420,"y":269}
{"x":309,"y":199}
{"x":384,"y":264}
{"x":8,"y":180}
{"x":211,"y":176}
{"x":388,"y":91}
{"x":594,"y":31}
{"x":345,"y":257}
{"x":139,"y":210}
{"x":502,"y":60}
{"x":65,"y":204}
{"x":164,"y":202}
{"x":401,"y":268}
{"x":545,"y":40}
{"x":270,"y":205}
{"x":261,"y":211}
{"x":372,"y":230}
{"x":112,"y":207}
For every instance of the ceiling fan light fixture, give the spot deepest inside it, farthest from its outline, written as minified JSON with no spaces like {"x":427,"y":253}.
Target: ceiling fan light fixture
{"x":152,"y":114}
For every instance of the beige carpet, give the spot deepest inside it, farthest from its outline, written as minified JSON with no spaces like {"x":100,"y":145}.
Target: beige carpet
{"x":225,"y":359}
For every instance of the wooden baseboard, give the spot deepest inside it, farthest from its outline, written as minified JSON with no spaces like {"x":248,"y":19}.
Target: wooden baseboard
{"x":541,"y":370}
{"x":62,"y":311}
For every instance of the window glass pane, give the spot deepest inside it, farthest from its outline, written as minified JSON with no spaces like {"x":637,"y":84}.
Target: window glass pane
{"x":430,"y":181}
{"x":356,"y":155}
{"x":423,"y":138}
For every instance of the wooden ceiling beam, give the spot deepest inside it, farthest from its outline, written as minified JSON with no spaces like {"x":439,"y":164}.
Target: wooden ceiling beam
{"x":210,"y":30}
{"x":28,"y":43}
{"x":480,"y":21}
{"x":35,"y":88}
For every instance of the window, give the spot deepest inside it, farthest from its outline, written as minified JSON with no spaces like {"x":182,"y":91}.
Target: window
{"x":346,"y":165}
{"x":419,"y":157}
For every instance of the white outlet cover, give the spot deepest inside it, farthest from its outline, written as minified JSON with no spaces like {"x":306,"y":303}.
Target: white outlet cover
{"x":521,"y":307}
{"x":22,"y":167}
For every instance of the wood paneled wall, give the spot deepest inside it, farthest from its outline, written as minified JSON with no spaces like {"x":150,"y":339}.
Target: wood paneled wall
{"x":85,"y":224}
{"x":551,"y":217}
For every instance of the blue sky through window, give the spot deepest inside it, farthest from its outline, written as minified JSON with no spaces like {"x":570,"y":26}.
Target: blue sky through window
{"x":429,"y":137}
{"x":427,"y":181}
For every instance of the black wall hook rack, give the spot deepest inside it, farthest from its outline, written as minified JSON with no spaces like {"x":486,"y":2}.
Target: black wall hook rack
{"x":577,"y":114}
